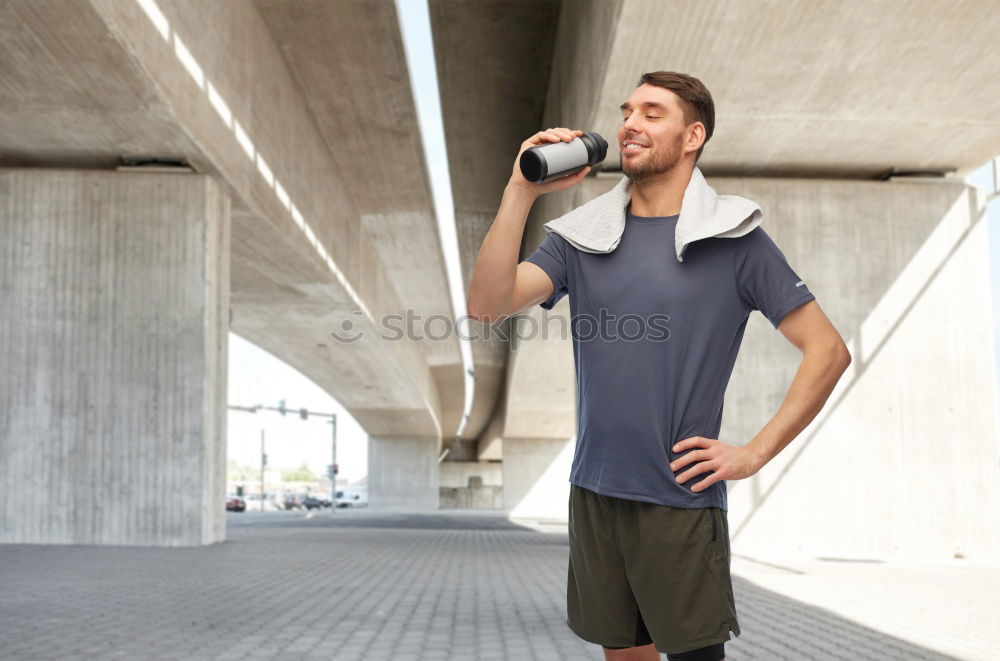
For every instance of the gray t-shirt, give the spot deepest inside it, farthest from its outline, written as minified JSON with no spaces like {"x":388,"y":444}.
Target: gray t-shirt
{"x":654,"y":344}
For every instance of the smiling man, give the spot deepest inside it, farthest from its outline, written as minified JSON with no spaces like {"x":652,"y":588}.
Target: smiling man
{"x":677,"y":270}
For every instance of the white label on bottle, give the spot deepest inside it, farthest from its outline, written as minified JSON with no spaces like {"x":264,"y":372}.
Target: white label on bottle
{"x":565,"y":155}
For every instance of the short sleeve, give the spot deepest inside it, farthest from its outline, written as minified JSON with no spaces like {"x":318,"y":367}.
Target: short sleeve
{"x":764,"y":279}
{"x":550,"y":256}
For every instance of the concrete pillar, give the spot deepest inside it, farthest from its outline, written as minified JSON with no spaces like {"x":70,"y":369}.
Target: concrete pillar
{"x":902,"y":461}
{"x":403,"y":472}
{"x":536,"y":477}
{"x":474,"y":485}
{"x":115,"y":291}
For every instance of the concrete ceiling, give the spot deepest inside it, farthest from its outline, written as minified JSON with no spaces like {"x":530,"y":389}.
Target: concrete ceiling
{"x":320,"y":91}
{"x":807,"y":88}
{"x":801,"y":89}
{"x":69,"y":98}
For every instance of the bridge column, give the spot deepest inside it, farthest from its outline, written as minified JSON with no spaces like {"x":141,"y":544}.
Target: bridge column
{"x":403,"y":472}
{"x":114,"y":288}
{"x":536,"y":477}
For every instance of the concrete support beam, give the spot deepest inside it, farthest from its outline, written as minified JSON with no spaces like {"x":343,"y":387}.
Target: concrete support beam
{"x":403,"y":472}
{"x":536,"y":477}
{"x":113,"y":341}
{"x":490,"y":445}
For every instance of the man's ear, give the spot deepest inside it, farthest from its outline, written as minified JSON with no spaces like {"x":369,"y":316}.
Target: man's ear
{"x":697,"y":133}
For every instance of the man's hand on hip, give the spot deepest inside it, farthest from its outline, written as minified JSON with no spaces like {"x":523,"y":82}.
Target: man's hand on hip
{"x":729,"y":462}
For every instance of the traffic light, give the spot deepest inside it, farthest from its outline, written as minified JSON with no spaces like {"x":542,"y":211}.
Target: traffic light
{"x":336,"y":469}
{"x":304,"y":414}
{"x":281,"y":407}
{"x":329,"y":471}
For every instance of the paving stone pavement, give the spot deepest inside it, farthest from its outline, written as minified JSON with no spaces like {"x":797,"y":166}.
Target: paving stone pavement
{"x":452,"y":585}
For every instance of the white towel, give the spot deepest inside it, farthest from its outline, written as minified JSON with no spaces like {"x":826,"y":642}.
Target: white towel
{"x":598,"y":225}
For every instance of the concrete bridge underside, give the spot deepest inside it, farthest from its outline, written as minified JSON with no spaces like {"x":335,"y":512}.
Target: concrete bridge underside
{"x":298,"y":121}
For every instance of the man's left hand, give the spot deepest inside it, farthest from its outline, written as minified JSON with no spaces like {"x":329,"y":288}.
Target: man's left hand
{"x":729,"y":462}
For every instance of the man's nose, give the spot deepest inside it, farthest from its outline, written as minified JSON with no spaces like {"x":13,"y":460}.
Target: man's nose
{"x":631,"y":135}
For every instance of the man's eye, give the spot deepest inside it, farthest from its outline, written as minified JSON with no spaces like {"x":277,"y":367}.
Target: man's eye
{"x":652,"y":117}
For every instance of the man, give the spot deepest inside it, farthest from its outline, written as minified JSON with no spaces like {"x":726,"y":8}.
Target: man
{"x":649,"y":537}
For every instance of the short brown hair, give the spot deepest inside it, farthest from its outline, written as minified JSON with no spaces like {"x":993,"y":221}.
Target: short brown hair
{"x":696,"y":100}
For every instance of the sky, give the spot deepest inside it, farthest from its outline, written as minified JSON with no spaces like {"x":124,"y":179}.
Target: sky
{"x":257,"y":377}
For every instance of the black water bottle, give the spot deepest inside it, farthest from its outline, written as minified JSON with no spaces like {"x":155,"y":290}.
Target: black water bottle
{"x":558,"y":159}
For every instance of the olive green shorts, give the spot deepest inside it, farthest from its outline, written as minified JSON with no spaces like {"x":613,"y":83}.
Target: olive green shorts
{"x":642,"y":573}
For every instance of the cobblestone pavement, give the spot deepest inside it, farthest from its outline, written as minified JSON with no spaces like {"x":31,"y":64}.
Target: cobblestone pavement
{"x":450,"y":585}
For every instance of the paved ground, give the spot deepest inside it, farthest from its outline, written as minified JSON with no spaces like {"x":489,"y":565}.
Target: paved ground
{"x":456,"y":585}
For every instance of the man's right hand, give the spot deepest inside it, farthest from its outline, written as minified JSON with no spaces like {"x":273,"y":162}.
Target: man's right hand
{"x":544,"y":137}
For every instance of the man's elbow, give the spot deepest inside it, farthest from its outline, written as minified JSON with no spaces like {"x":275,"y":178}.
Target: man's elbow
{"x":832,"y":351}
{"x":474,"y":314}
{"x":839,"y":356}
{"x":845,"y":355}
{"x":487,"y":310}
{"x":473,"y":306}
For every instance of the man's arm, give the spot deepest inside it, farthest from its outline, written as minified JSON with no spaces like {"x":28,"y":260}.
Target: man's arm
{"x":766,"y":284}
{"x":825,"y":358}
{"x":500,"y":286}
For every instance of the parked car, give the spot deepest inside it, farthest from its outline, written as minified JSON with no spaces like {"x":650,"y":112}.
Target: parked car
{"x":352,"y":499}
{"x":271,"y":502}
{"x":293,"y":502}
{"x":235,"y":504}
{"x":311,"y":502}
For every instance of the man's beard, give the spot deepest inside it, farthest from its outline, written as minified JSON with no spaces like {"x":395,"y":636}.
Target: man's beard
{"x":659,"y":161}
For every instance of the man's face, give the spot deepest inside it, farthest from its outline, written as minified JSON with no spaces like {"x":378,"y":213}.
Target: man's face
{"x":652,"y":117}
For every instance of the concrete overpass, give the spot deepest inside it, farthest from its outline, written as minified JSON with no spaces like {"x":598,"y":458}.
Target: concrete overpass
{"x":307,"y":209}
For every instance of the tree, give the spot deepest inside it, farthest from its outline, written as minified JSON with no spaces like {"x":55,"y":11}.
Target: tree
{"x":236,"y":472}
{"x":300,"y":474}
